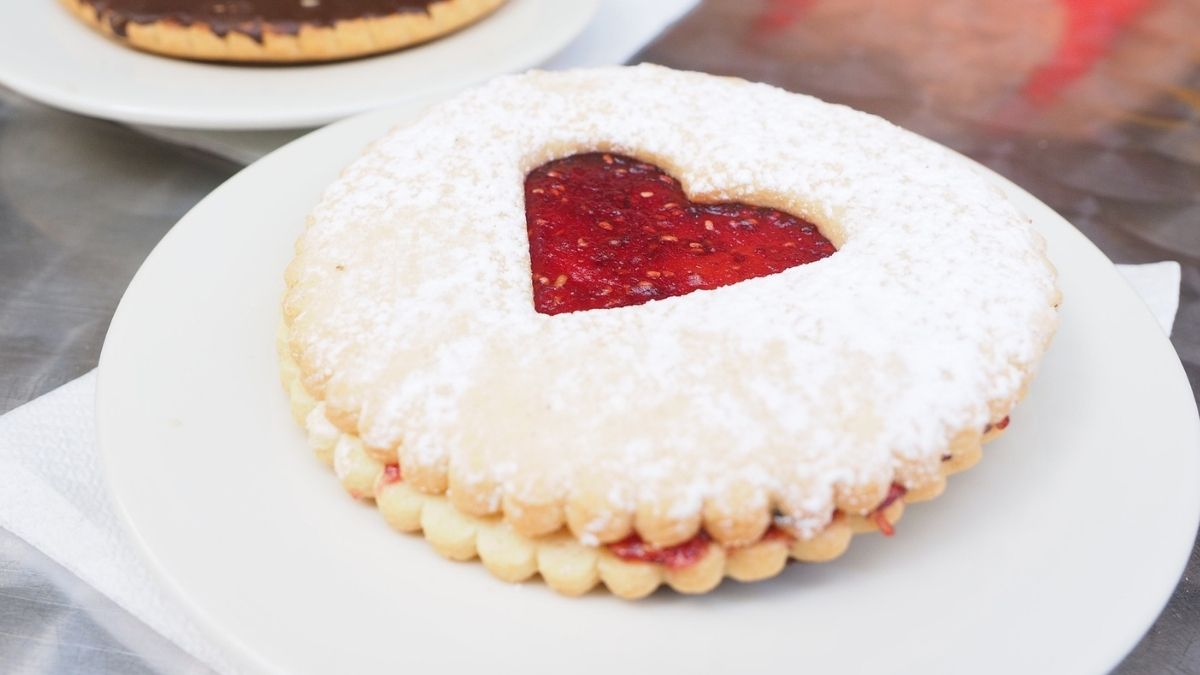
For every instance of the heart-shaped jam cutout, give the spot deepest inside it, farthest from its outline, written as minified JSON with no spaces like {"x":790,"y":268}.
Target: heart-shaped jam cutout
{"x":609,"y":231}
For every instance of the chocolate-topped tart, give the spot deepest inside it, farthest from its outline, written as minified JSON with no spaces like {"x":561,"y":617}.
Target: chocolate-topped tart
{"x":636,"y":326}
{"x":281,"y":31}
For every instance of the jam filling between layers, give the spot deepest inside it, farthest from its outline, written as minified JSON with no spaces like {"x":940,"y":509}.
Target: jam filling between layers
{"x":248,"y":17}
{"x":607,"y":231}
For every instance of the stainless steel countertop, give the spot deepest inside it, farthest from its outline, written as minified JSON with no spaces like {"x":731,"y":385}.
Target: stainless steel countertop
{"x":82,"y":202}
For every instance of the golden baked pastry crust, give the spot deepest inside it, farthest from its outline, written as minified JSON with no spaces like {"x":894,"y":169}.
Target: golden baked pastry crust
{"x":342,"y":40}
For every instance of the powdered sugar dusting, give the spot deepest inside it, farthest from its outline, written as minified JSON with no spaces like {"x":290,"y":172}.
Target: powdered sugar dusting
{"x":415,"y":310}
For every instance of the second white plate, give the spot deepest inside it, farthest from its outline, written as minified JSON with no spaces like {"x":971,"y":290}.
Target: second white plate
{"x":1052,"y":556}
{"x":50,"y":56}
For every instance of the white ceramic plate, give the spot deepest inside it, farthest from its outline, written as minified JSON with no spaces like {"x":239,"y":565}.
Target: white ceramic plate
{"x":1053,"y":555}
{"x":50,"y":56}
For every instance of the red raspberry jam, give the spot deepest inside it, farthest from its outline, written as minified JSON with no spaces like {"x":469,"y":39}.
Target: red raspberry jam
{"x":610,"y":231}
{"x":1001,"y":425}
{"x":896,"y":491}
{"x":391,"y":474}
{"x":776,"y":533}
{"x":633,"y":549}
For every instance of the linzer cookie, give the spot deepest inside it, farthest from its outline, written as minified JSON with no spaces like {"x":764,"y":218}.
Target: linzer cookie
{"x":635,"y":326}
{"x":277,"y":30}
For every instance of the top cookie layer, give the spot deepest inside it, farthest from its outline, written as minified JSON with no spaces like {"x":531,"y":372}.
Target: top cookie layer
{"x":410,"y":312}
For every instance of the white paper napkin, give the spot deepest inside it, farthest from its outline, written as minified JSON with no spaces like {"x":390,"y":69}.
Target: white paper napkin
{"x":1158,"y":284}
{"x":52,"y":493}
{"x":619,"y":29}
